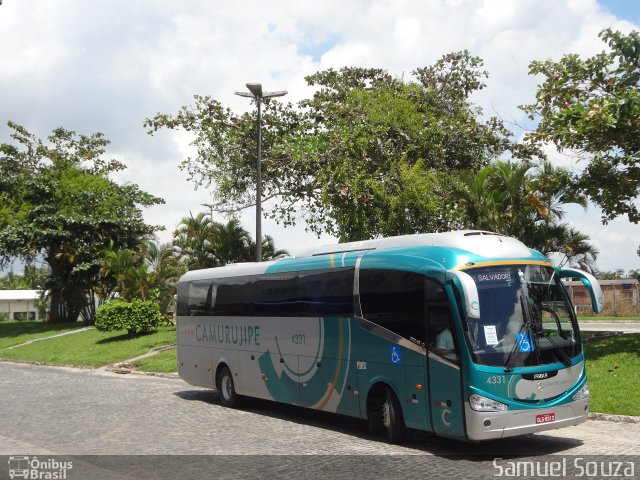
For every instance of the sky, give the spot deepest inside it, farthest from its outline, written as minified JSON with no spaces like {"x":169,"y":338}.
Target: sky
{"x":106,"y":66}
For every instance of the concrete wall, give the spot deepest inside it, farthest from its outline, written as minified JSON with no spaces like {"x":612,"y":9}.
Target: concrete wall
{"x":19,"y":309}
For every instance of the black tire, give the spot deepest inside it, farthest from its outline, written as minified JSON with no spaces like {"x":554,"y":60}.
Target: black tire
{"x":226,"y":388}
{"x":391,"y":417}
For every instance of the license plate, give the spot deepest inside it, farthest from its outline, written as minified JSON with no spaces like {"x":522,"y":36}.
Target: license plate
{"x":546,"y":418}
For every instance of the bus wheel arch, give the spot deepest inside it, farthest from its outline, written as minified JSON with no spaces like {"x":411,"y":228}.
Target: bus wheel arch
{"x":384,"y":412}
{"x":226,"y":386}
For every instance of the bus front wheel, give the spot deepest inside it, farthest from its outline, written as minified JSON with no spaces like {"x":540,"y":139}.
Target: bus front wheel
{"x":226,"y":389}
{"x":392,"y":421}
{"x":386,"y":416}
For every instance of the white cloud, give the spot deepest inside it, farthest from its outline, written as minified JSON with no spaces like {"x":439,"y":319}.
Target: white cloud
{"x":92,"y":66}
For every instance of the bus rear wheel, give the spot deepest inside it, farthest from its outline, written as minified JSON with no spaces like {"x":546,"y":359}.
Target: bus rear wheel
{"x":226,"y":389}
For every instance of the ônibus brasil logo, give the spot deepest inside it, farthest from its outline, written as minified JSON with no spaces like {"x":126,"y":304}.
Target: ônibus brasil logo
{"x":37,"y":469}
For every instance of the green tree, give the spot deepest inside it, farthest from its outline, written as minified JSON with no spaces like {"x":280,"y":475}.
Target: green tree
{"x":33,"y":278}
{"x":123,"y":272}
{"x":368,"y":154}
{"x":163,"y":272}
{"x":576,"y":250}
{"x":526,"y":202}
{"x":634,"y":273}
{"x":36,"y":277}
{"x":149,"y":272}
{"x":202,"y":243}
{"x":64,"y":206}
{"x":592,"y":106}
{"x":11,"y":281}
{"x":230,"y":243}
{"x":269,"y":249}
{"x":193,"y":240}
{"x":616,"y":274}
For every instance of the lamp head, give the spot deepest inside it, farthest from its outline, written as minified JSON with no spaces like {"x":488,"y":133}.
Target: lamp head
{"x":255,"y":88}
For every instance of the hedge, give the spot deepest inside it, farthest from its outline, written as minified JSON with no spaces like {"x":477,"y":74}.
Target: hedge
{"x":137,"y":316}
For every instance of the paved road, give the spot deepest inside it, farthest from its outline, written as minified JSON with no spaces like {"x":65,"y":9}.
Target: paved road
{"x":617,"y":326}
{"x":63,"y":411}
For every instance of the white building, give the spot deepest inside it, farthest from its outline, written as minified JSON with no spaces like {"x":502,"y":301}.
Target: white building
{"x":19,"y":304}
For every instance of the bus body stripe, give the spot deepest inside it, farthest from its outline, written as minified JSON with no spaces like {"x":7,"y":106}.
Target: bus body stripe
{"x":336,"y":374}
{"x":502,"y":262}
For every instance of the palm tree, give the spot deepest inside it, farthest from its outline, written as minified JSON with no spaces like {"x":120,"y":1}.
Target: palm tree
{"x":202,"y":243}
{"x":527,"y":203}
{"x":552,"y":186}
{"x":577,"y":251}
{"x":269,"y":250}
{"x":193,"y":239}
{"x":164,"y":270}
{"x":232,"y":243}
{"x":123,"y":271}
{"x":477,"y":198}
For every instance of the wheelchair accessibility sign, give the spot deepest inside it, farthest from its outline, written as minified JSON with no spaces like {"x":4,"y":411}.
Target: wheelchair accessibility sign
{"x":524,"y":342}
{"x":395,"y":355}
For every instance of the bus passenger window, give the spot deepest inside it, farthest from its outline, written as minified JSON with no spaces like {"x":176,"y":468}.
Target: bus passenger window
{"x":233,"y":297}
{"x":276,"y":295}
{"x":326,"y":292}
{"x":441,"y":333}
{"x":199,"y":298}
{"x":394,"y":299}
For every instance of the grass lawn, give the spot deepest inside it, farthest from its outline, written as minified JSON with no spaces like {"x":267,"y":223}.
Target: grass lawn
{"x":14,"y":333}
{"x":163,"y":362}
{"x":91,"y":348}
{"x":613,"y":368}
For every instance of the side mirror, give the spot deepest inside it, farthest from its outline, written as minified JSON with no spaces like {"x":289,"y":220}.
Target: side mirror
{"x":589,"y":281}
{"x":469,"y":292}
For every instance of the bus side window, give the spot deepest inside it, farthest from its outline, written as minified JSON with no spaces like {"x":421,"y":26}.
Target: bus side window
{"x":326,"y":292}
{"x":276,"y":295}
{"x":182,"y":306}
{"x":441,"y":333}
{"x":233,"y":297}
{"x":394,"y":299}
{"x":199,"y":296}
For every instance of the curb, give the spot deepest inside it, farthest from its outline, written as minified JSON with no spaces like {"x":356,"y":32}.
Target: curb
{"x":126,"y":367}
{"x":126,"y":371}
{"x":607,"y":417}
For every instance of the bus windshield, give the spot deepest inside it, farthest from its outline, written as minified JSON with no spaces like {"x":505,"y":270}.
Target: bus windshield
{"x":525,"y":318}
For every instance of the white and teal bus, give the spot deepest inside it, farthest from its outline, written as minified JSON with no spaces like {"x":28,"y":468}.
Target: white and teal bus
{"x":467,"y":334}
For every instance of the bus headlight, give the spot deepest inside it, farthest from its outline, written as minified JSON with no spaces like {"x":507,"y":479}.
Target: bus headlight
{"x":484,"y":404}
{"x":583,"y":392}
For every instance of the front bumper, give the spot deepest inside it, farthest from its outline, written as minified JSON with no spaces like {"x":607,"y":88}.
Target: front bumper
{"x":511,"y":423}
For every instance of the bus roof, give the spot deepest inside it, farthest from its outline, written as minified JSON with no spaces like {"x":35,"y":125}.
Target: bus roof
{"x":478,"y":245}
{"x":486,"y":244}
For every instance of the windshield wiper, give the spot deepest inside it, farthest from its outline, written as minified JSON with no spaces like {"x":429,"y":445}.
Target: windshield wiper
{"x":566,"y":359}
{"x":528,"y":329}
{"x":511,"y":358}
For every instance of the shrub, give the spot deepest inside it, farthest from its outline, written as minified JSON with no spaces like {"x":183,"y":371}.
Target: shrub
{"x":137,"y":316}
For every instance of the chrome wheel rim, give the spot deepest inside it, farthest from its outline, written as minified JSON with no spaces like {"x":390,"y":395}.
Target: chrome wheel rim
{"x":227,"y":388}
{"x":386,"y":415}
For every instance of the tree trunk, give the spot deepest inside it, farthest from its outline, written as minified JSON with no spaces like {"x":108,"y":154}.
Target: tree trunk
{"x":60,"y":286}
{"x":56,"y":307}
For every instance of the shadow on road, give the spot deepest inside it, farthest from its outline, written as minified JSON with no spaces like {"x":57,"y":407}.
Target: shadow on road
{"x":526,"y":446}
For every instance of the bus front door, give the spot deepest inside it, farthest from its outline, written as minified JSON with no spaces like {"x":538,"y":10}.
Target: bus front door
{"x":444,"y":375}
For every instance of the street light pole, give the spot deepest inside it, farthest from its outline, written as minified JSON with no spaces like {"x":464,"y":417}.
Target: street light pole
{"x":210,"y":207}
{"x":258,"y":95}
